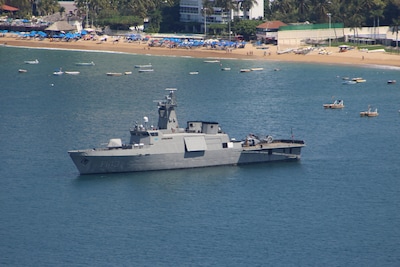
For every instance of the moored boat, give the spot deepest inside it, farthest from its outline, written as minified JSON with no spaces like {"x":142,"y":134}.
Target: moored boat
{"x":369,"y":112}
{"x":193,"y":72}
{"x":114,"y":74}
{"x":72,"y":72}
{"x":146,"y":70}
{"x":128,"y":72}
{"x":168,"y":146}
{"x":85,"y":63}
{"x":359,"y":80}
{"x":256,"y":69}
{"x":391,"y":81}
{"x":22,"y":71}
{"x":245,"y":70}
{"x":58,"y":72}
{"x":31,"y":61}
{"x":337,"y":104}
{"x":212,"y":61}
{"x":144,"y":66}
{"x":226,"y":69}
{"x":349,"y":82}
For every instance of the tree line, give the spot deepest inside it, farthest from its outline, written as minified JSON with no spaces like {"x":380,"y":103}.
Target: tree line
{"x":163,"y":15}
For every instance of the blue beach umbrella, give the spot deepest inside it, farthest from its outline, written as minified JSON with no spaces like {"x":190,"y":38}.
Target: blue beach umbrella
{"x":42,"y":34}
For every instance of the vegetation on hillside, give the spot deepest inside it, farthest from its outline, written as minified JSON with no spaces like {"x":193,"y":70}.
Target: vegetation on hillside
{"x":163,"y":15}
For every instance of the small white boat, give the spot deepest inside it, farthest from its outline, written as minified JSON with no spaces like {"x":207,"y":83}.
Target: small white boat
{"x":391,"y":81}
{"x":144,"y":66}
{"x":114,"y":74}
{"x":281,"y":52}
{"x":128,"y":72}
{"x":359,"y":80}
{"x":349,"y":82}
{"x":369,"y":113}
{"x":22,"y":71}
{"x":245,"y":70}
{"x":31,"y":61}
{"x":72,"y":72}
{"x":335,"y":105}
{"x":225,"y":69}
{"x":193,"y":72}
{"x":57,"y":73}
{"x":85,"y":63}
{"x":146,"y":70}
{"x":256,"y":69}
{"x":212,"y":61}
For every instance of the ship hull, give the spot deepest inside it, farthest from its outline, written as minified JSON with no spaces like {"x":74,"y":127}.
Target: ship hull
{"x":166,"y":147}
{"x":114,"y":161}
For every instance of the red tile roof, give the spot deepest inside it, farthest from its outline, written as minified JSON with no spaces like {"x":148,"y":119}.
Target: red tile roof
{"x":275,"y":24}
{"x":8,"y":8}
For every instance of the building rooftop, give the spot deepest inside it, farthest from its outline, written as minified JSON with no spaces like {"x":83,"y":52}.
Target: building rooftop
{"x":275,"y":24}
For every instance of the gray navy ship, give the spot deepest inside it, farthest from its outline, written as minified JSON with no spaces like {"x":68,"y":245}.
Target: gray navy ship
{"x":167,"y":146}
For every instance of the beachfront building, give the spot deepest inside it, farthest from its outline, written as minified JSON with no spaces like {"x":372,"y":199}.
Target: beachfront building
{"x":325,"y":34}
{"x":8,"y":10}
{"x":267,"y":32}
{"x":193,"y":11}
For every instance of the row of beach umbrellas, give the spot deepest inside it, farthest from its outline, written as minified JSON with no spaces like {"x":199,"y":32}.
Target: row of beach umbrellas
{"x":198,"y":43}
{"x":41,"y":34}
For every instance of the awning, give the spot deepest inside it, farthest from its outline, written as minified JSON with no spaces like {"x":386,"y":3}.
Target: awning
{"x":196,"y":143}
{"x":9,"y":8}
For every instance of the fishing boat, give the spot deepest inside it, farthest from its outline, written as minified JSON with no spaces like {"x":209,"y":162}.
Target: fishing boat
{"x":337,"y":104}
{"x":245,"y":70}
{"x":144,"y":66}
{"x":168,"y":146}
{"x":31,"y":61}
{"x":58,"y":72}
{"x":286,"y":51}
{"x":72,"y":72}
{"x":359,"y":80}
{"x":349,"y":82}
{"x":369,"y":112}
{"x":146,"y":70}
{"x":114,"y":74}
{"x":85,"y":63}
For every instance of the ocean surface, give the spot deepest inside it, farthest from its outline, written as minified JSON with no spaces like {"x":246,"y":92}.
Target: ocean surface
{"x":338,"y":206}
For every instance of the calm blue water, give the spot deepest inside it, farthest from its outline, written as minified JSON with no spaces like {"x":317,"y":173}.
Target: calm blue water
{"x":339,"y":206}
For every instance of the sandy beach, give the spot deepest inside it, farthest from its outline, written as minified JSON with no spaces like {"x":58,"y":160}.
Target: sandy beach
{"x":250,"y":52}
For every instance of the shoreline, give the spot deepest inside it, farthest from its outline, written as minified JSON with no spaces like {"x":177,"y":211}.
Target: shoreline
{"x":352,"y":57}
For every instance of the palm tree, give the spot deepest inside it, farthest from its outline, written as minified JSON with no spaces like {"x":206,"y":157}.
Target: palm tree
{"x":227,"y":6}
{"x":208,"y":9}
{"x":246,"y":5}
{"x":320,"y":9}
{"x":395,"y":29}
{"x":303,"y":8}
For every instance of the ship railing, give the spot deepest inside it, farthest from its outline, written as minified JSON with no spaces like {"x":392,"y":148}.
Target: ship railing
{"x":301,"y":142}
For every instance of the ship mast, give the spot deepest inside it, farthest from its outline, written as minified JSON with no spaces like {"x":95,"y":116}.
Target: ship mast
{"x":166,"y":111}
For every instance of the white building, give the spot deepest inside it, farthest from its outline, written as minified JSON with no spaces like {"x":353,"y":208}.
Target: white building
{"x":192,"y":11}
